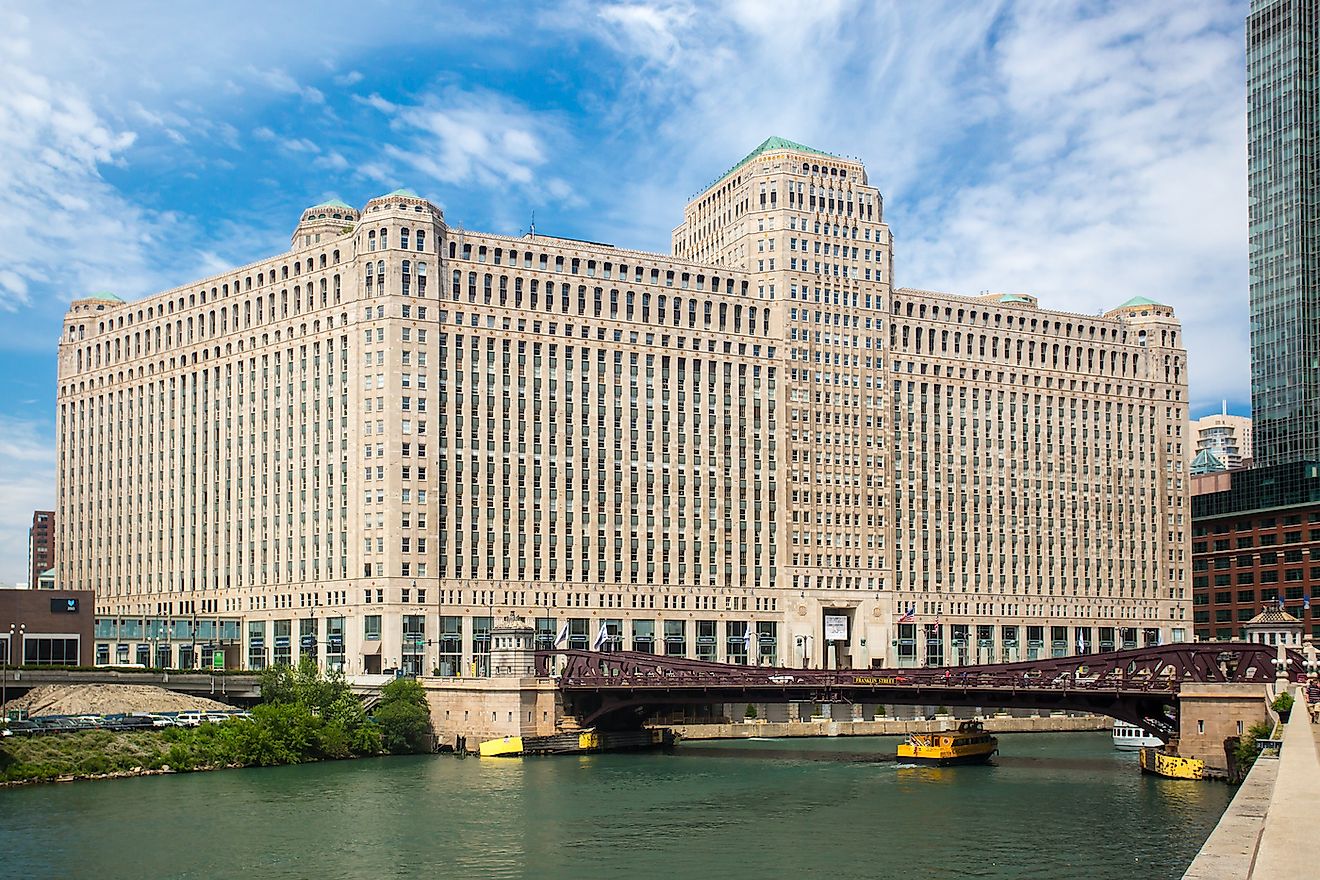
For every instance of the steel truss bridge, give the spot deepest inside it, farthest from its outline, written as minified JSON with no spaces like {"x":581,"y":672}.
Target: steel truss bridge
{"x":1140,"y":686}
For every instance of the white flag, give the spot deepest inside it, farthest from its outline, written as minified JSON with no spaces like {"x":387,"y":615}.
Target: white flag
{"x":602,"y":637}
{"x":563,"y":635}
{"x":747,"y":638}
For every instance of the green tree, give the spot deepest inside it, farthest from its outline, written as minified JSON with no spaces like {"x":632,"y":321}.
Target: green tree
{"x":1247,"y":749}
{"x":403,"y":717}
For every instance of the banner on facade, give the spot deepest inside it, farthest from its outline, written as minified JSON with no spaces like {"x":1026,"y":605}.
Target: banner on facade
{"x":836,"y":628}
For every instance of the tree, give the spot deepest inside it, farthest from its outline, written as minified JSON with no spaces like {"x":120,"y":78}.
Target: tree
{"x":403,"y":717}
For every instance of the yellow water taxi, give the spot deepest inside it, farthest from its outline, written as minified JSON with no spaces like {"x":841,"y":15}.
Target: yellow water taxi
{"x":1165,"y":762}
{"x":969,"y":744}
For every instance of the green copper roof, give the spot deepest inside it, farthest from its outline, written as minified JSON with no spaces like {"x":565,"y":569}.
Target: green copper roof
{"x":105,"y":295}
{"x":404,"y":192}
{"x":1139,"y":301}
{"x":334,"y":203}
{"x":1014,"y":298}
{"x":773,"y":143}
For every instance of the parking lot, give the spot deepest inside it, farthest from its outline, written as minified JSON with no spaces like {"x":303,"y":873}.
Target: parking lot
{"x":43,"y":725}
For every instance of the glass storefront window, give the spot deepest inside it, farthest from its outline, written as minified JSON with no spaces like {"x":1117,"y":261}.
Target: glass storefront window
{"x":643,"y":636}
{"x":256,"y":644}
{"x":676,"y":638}
{"x":283,"y":642}
{"x":707,"y":644}
{"x":481,"y":627}
{"x":309,"y":639}
{"x":414,"y":644}
{"x":767,"y":641}
{"x":450,"y":660}
{"x":735,"y":641}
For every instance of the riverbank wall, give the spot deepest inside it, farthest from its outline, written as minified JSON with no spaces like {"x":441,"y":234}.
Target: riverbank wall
{"x":888,"y":727}
{"x":1267,"y":832}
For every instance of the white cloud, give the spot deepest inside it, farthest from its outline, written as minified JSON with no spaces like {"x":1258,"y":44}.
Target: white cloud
{"x":352,"y":78}
{"x":475,"y":138}
{"x":331,"y":161}
{"x":1082,"y":154}
{"x":281,"y":82}
{"x":57,"y":215}
{"x":1123,"y":174}
{"x":27,"y":483}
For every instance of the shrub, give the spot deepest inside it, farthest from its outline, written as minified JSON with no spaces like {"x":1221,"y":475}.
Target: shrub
{"x":1283,"y":703}
{"x":1247,"y":749}
{"x":750,"y":711}
{"x":403,"y":717}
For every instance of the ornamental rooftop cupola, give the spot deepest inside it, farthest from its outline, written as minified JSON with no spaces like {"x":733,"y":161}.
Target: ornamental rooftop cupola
{"x":403,"y":200}
{"x":328,"y":220}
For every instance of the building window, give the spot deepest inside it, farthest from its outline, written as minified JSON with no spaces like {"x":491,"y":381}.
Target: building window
{"x":50,"y":651}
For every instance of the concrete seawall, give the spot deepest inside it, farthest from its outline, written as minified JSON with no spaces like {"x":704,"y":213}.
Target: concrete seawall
{"x":887,"y":727}
{"x":1267,"y":832}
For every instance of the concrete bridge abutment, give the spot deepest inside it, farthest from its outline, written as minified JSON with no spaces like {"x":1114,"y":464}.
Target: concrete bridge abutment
{"x":1210,"y":713}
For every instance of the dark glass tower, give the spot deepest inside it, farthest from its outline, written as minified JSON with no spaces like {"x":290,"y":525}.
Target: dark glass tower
{"x":1284,"y":214}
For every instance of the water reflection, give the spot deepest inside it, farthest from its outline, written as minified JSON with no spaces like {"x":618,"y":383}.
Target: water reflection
{"x":1053,"y":805}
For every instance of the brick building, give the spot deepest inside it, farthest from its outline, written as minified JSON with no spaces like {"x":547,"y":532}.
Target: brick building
{"x":1255,"y":539}
{"x":41,"y":546}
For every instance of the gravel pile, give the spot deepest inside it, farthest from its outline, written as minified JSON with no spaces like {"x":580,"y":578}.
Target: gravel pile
{"x":107,"y":699}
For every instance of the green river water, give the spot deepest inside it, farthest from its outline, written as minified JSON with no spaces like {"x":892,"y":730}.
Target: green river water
{"x":1055,"y":806}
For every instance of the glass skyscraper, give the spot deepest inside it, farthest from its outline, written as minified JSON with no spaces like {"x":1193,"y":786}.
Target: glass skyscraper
{"x":1285,"y":304}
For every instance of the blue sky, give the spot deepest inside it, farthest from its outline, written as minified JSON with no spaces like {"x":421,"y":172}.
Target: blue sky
{"x":1081,"y":152}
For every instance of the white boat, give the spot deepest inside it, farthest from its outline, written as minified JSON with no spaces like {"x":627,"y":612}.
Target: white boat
{"x":1130,"y":738}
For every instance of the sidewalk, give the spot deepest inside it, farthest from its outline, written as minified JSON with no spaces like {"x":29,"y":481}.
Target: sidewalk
{"x":1287,"y":846}
{"x":1267,"y":833}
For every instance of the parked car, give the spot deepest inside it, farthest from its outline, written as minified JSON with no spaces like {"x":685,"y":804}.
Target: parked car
{"x":130,"y":722}
{"x":55,"y":724}
{"x":190,"y":718}
{"x":22,"y":728}
{"x":156,"y":720}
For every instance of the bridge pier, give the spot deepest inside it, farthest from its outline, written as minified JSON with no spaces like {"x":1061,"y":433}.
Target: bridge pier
{"x":1210,"y":713}
{"x":489,"y":708}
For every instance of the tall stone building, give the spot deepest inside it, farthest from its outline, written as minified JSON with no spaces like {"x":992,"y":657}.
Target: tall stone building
{"x":1283,"y":62}
{"x":754,"y":449}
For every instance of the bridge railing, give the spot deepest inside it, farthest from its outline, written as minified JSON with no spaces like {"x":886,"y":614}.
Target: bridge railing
{"x":1158,"y":669}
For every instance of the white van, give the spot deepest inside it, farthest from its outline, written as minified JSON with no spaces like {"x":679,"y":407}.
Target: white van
{"x":189,"y":718}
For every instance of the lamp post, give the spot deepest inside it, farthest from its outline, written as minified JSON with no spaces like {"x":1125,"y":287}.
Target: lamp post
{"x":9,"y":658}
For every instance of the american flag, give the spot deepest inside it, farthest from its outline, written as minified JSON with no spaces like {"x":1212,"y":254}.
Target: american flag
{"x":909,"y":614}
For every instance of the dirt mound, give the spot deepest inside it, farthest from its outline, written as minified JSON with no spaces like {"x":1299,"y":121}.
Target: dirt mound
{"x":106,"y":699}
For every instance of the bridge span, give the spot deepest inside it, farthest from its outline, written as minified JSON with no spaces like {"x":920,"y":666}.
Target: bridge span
{"x":1140,"y":686}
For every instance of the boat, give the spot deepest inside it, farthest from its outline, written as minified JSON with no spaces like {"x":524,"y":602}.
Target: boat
{"x":1130,"y":738}
{"x":1164,"y":762}
{"x":969,"y":744}
{"x":577,"y":742}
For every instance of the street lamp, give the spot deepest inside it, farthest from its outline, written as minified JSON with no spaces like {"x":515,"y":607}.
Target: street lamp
{"x":9,"y":657}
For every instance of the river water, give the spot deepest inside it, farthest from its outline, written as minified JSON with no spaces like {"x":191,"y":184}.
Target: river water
{"x":1055,"y":806}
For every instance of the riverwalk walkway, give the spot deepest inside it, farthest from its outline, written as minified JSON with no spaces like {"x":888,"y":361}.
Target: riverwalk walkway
{"x":1268,"y":831}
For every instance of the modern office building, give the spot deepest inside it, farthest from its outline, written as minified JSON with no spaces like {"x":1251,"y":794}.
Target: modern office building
{"x":1255,"y":541}
{"x":1284,"y":214}
{"x":1226,"y":438}
{"x":753,"y":449}
{"x":41,"y":546}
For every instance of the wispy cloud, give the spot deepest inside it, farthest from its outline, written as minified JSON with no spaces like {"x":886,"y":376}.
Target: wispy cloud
{"x":27,"y":483}
{"x":476,"y":138}
{"x":1118,"y":171}
{"x":56,"y":211}
{"x":1084,"y":154}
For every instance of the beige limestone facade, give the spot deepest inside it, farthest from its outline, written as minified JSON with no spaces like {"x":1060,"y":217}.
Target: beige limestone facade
{"x":752,"y":449}
{"x":1226,"y":437}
